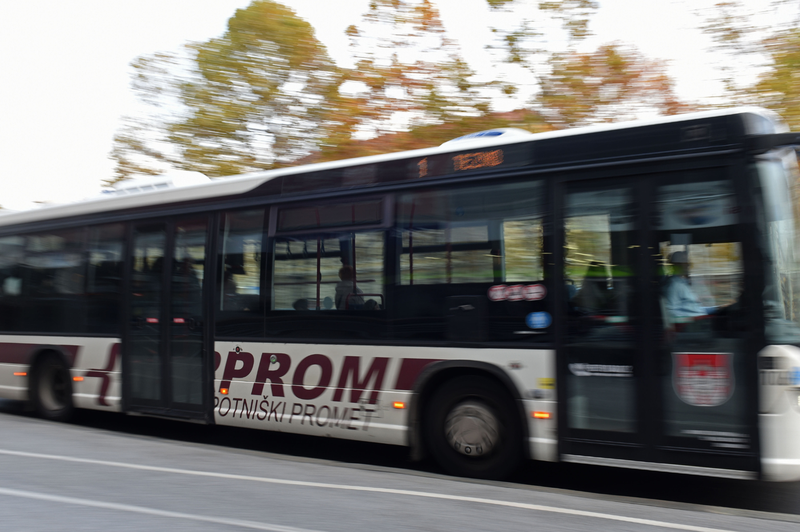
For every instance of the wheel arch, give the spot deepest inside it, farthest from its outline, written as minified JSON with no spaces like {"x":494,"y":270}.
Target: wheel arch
{"x":40,"y":351}
{"x":435,"y":375}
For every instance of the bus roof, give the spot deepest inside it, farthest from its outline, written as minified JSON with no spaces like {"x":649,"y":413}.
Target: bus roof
{"x":754,"y":121}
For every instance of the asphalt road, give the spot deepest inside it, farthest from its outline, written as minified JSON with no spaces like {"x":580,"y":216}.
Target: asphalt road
{"x":114,"y":472}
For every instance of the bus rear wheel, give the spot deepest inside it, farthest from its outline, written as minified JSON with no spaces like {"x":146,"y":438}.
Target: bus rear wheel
{"x":51,"y":388}
{"x":472,"y":430}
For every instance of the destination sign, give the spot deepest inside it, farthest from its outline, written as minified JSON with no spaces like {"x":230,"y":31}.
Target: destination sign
{"x":457,"y":162}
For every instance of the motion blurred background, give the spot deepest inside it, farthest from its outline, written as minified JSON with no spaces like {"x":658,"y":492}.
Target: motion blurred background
{"x":96,"y":91}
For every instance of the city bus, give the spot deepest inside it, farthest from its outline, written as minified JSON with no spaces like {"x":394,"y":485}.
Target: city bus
{"x":618,"y":295}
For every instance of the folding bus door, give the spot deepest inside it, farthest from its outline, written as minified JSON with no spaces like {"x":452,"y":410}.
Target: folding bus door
{"x":655,"y":354}
{"x":601,"y":341}
{"x":165,"y":363}
{"x":704,"y":372}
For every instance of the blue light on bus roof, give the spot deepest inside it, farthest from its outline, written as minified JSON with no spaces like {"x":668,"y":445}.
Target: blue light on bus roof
{"x":490,"y":133}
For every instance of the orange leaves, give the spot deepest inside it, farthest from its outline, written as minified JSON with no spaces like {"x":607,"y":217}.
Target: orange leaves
{"x":612,"y":83}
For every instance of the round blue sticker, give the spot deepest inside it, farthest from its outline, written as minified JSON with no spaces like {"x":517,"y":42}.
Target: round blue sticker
{"x":538,"y":320}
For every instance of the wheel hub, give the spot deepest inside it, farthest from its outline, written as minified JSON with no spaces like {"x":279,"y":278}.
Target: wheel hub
{"x":472,"y":429}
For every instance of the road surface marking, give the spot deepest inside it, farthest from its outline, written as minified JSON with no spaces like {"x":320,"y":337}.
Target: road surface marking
{"x":150,"y":511}
{"x":391,"y":491}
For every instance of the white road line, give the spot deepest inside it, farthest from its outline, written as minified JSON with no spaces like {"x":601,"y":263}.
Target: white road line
{"x":391,"y":491}
{"x":150,"y":511}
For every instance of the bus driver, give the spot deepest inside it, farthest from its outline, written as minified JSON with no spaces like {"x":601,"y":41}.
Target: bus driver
{"x":681,"y":300}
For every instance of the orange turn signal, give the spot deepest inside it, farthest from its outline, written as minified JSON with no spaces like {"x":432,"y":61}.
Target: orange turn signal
{"x":77,"y":379}
{"x":223,"y":391}
{"x":20,"y":373}
{"x":399,"y":405}
{"x":540,"y":415}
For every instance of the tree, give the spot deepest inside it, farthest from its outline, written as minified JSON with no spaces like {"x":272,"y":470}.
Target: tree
{"x":611,"y":84}
{"x":615,"y":82}
{"x":408,"y":72}
{"x":265,"y":94}
{"x":525,"y":35}
{"x":749,"y":39}
{"x":256,"y":98}
{"x":779,"y":87}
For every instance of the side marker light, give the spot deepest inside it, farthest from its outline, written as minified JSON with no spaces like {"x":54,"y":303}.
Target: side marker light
{"x":399,"y":405}
{"x":20,"y":373}
{"x":77,"y":379}
{"x":540,"y":415}
{"x":223,"y":391}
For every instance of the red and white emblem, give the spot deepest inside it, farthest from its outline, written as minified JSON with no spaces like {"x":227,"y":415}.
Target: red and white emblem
{"x":535,"y":292}
{"x":515,"y":292}
{"x":497,"y":292}
{"x":703,"y":379}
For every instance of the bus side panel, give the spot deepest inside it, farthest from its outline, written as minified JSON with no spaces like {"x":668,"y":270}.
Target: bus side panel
{"x":540,"y":407}
{"x":98,"y":369}
{"x":359,"y":392}
{"x":13,"y":371}
{"x":95,"y":370}
{"x":779,"y":417}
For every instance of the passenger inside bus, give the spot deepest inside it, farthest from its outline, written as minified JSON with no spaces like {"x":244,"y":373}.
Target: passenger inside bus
{"x":593,"y":294}
{"x":680,"y":299}
{"x":346,"y":290}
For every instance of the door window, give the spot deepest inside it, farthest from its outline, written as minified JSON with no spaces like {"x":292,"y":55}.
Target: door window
{"x":599,"y":251}
{"x":240,"y":299}
{"x":700,"y":271}
{"x":147,"y":280}
{"x":186,"y":309}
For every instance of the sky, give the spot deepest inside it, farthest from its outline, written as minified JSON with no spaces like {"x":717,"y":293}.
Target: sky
{"x":65,"y":70}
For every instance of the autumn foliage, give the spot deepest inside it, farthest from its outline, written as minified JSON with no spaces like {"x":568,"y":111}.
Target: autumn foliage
{"x":266,"y":94}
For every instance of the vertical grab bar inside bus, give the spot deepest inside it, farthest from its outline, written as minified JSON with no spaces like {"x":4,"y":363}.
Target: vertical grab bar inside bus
{"x":319,"y":259}
{"x":410,"y":243}
{"x":353,"y":246}
{"x":224,"y":255}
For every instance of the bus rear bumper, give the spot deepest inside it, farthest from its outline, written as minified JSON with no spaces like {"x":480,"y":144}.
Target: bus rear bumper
{"x":779,"y":420}
{"x":780,"y":452}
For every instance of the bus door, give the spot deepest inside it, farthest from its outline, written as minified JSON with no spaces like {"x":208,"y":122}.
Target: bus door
{"x":164,"y":363}
{"x":653,"y":359}
{"x":703,"y":376}
{"x":601,"y":322}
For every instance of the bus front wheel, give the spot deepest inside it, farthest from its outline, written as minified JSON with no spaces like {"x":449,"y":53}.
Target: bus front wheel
{"x":51,"y":388}
{"x":472,"y":430}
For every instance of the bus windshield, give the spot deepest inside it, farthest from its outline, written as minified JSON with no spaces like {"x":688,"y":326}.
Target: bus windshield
{"x":780,"y":180}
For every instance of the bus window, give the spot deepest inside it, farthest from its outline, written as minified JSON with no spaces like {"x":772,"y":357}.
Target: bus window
{"x":331,"y":272}
{"x":522,"y":250}
{"x":240,"y":273}
{"x":335,"y":281}
{"x":478,"y":250}
{"x":104,"y":278}
{"x":12,"y":253}
{"x":780,"y":188}
{"x":53,"y":281}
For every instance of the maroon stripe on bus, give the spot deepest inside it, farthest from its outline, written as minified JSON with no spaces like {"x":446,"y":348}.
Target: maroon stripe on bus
{"x":21,"y":353}
{"x":410,"y":370}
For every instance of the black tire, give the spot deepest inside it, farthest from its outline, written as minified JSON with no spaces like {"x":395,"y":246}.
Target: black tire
{"x":51,"y":388}
{"x":472,"y":429}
